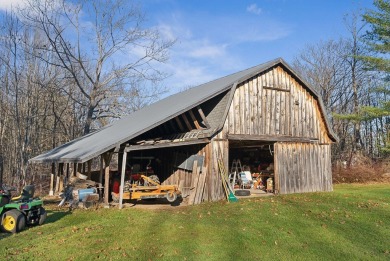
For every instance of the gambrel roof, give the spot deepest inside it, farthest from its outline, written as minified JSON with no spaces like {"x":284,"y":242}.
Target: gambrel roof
{"x":112,"y":136}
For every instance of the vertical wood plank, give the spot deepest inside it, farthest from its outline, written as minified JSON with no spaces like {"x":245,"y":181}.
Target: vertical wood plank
{"x":263,"y":105}
{"x":247,"y":107}
{"x":259,"y":87}
{"x":276,"y":168}
{"x":278,"y":106}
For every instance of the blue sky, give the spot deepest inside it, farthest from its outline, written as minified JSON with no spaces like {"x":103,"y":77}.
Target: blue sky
{"x":216,"y":38}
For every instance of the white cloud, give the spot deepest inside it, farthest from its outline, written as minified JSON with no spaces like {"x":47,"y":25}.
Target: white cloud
{"x":187,"y":74}
{"x":207,"y":50}
{"x":210,"y":46}
{"x":8,"y":5}
{"x":254,"y":9}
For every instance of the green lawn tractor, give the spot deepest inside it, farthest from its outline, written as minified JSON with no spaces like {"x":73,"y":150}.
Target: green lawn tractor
{"x":17,"y":212}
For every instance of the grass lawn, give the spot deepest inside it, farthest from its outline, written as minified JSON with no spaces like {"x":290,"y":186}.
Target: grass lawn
{"x":351,"y":223}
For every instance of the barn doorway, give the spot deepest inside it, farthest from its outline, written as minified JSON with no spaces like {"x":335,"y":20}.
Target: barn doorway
{"x":251,"y":166}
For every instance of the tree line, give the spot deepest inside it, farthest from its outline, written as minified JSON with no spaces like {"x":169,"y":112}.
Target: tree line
{"x":352,"y":76}
{"x":67,"y":68}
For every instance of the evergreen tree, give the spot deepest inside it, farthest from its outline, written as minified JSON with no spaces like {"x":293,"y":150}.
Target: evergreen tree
{"x":378,"y":40}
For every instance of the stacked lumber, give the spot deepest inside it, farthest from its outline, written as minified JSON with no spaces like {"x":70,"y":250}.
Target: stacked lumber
{"x":198,"y":181}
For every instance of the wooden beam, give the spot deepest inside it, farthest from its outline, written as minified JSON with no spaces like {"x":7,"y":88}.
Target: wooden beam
{"x":165,"y":145}
{"x":276,"y":89}
{"x":200,"y":111}
{"x":107,"y":159}
{"x":186,"y":121}
{"x":268,"y":138}
{"x":67,"y":174}
{"x":101,"y":170}
{"x":53,"y":169}
{"x":122,"y":179}
{"x":179,"y":123}
{"x":61,"y":177}
{"x":74,"y":169}
{"x":194,"y":120}
{"x":89,"y":169}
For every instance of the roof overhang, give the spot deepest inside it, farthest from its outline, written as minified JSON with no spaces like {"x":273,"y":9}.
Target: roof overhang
{"x":165,"y":145}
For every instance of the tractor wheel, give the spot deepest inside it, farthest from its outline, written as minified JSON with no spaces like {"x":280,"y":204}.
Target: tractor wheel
{"x":42,"y":216}
{"x":13,"y":221}
{"x":171,"y":196}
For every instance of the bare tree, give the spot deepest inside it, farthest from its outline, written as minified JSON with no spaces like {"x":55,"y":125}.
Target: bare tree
{"x":335,"y":69}
{"x":104,"y":49}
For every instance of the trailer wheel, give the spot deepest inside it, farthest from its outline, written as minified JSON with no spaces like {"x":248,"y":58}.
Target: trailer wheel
{"x":171,"y":196}
{"x":13,"y":221}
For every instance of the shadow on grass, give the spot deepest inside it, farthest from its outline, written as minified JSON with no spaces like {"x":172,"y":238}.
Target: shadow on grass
{"x":158,"y":201}
{"x":52,"y":216}
{"x":4,"y":235}
{"x":152,"y":203}
{"x":55,"y":215}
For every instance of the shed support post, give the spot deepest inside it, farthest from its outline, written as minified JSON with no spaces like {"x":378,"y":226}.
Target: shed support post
{"x":122,"y":178}
{"x":58,"y":177}
{"x":74,"y":169}
{"x":107,"y":159}
{"x":101,"y":170}
{"x":89,"y":168}
{"x":53,"y":169}
{"x":61,"y":183}
{"x":67,"y":174}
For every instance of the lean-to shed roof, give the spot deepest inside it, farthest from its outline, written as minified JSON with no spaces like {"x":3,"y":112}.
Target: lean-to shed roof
{"x":128,"y":127}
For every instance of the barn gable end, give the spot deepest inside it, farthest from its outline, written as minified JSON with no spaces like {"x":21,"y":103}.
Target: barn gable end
{"x":274,"y":104}
{"x":275,"y":108}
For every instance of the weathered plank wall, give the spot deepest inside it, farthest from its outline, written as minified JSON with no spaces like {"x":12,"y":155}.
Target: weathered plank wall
{"x":275,"y":103}
{"x":302,"y":167}
{"x":188,"y":181}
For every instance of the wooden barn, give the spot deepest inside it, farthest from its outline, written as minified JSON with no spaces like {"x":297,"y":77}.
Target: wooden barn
{"x":265,"y":120}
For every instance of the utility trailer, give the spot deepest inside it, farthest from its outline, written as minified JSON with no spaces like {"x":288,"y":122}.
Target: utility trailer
{"x":150,"y":190}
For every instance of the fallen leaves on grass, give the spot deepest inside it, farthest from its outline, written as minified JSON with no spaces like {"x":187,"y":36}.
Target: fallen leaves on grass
{"x":75,"y":229}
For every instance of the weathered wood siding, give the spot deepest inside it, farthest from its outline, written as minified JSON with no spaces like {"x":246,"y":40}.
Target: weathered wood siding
{"x":206,"y":177}
{"x":275,"y":103}
{"x":302,"y":167}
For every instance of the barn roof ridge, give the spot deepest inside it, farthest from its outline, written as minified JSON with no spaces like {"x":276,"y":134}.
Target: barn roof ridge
{"x":128,"y":127}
